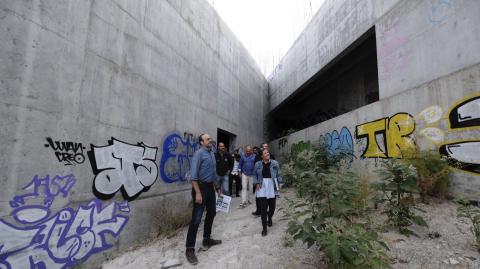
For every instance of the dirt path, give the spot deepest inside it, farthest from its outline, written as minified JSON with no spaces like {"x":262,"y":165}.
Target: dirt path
{"x":242,"y":247}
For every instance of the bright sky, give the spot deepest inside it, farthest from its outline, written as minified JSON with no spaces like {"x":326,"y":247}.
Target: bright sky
{"x":267,"y":28}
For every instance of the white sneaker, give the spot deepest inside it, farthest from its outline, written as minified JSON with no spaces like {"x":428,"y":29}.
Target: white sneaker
{"x":241,"y":206}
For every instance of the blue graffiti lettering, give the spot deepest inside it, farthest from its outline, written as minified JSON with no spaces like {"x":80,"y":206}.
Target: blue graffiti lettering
{"x":339,"y":144}
{"x":177,"y":153}
{"x":60,"y":240}
{"x":46,"y":187}
{"x":441,"y":10}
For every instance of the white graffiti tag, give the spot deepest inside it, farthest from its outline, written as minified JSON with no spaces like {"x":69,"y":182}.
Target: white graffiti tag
{"x":121,"y":164}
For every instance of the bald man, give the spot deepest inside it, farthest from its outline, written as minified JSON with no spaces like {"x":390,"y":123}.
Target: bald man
{"x":246,"y":166}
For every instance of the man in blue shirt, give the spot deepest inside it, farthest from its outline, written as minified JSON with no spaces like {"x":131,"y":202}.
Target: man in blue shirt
{"x":246,"y":166}
{"x":203,"y":174}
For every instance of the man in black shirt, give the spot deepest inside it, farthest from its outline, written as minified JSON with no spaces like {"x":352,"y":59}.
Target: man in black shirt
{"x":224,"y":164}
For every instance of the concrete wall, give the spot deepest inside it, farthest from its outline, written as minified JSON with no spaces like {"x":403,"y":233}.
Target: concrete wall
{"x":417,"y":41}
{"x":421,"y":116}
{"x":84,"y":72}
{"x":429,"y":82}
{"x":348,"y":85}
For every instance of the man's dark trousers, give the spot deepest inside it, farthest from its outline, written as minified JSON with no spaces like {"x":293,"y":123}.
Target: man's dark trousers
{"x":238,"y":184}
{"x":208,"y":202}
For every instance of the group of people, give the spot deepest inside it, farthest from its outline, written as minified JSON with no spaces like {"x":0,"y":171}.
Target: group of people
{"x":216,"y":172}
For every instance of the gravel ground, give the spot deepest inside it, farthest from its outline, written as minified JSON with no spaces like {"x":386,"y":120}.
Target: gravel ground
{"x":446,"y":243}
{"x":242,"y":246}
{"x":451,"y":249}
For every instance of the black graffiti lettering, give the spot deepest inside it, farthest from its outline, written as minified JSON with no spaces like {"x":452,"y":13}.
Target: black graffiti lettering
{"x":69,"y":153}
{"x":465,"y":114}
{"x":79,"y":158}
{"x":464,"y":155}
{"x":282,"y":143}
{"x":69,"y":158}
{"x":62,"y":158}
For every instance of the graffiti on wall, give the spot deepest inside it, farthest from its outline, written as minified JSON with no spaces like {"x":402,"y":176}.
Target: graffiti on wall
{"x":299,"y":147}
{"x":69,"y":153}
{"x":45,"y":188}
{"x":282,"y":143}
{"x":465,"y":114}
{"x":39,"y":238}
{"x":431,"y":116}
{"x":395,"y":132}
{"x":440,"y":11}
{"x":394,"y":55}
{"x":339,"y":143}
{"x":120,"y":165}
{"x":177,"y":153}
{"x":464,"y":154}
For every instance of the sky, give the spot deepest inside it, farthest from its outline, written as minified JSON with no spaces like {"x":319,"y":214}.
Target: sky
{"x":267,"y":28}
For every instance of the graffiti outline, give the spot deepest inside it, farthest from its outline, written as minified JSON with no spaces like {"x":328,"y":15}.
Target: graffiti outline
{"x":464,"y":154}
{"x":339,"y":143}
{"x":36,"y":238}
{"x":396,"y":132}
{"x":68,"y":181}
{"x":67,"y":152}
{"x":123,"y":166}
{"x":457,"y":121}
{"x":176,"y":157}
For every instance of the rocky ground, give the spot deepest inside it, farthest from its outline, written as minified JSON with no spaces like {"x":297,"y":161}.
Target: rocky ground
{"x":446,"y":243}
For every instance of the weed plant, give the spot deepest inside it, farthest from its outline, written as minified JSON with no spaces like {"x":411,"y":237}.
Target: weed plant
{"x":432,"y":174}
{"x":398,"y":186}
{"x":330,"y":212}
{"x":471,"y":212}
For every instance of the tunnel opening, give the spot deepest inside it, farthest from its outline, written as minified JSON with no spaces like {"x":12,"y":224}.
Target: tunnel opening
{"x":348,"y":82}
{"x":227,"y":138}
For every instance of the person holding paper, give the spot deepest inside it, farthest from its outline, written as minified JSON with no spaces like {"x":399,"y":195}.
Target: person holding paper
{"x":203,"y":174}
{"x":266,"y":177}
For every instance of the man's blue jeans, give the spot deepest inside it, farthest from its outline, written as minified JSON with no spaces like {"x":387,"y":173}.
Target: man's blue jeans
{"x":208,"y":203}
{"x":223,"y":182}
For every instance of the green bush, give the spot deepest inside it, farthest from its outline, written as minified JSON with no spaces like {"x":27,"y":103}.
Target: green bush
{"x":334,"y":223}
{"x":330,"y":212}
{"x":433,"y":174}
{"x":398,"y":185}
{"x":289,"y":131}
{"x":297,"y":148}
{"x":352,"y":245}
{"x":305,"y":157}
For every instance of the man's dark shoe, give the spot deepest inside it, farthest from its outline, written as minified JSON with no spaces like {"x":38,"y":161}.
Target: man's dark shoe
{"x":270,"y":223}
{"x":191,"y":257}
{"x":208,"y":242}
{"x":264,"y":232}
{"x":255,"y":213}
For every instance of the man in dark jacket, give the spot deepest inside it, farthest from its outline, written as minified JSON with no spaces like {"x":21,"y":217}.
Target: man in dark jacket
{"x":224,"y":164}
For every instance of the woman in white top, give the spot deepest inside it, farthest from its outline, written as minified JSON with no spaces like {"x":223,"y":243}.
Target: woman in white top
{"x":266,"y":177}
